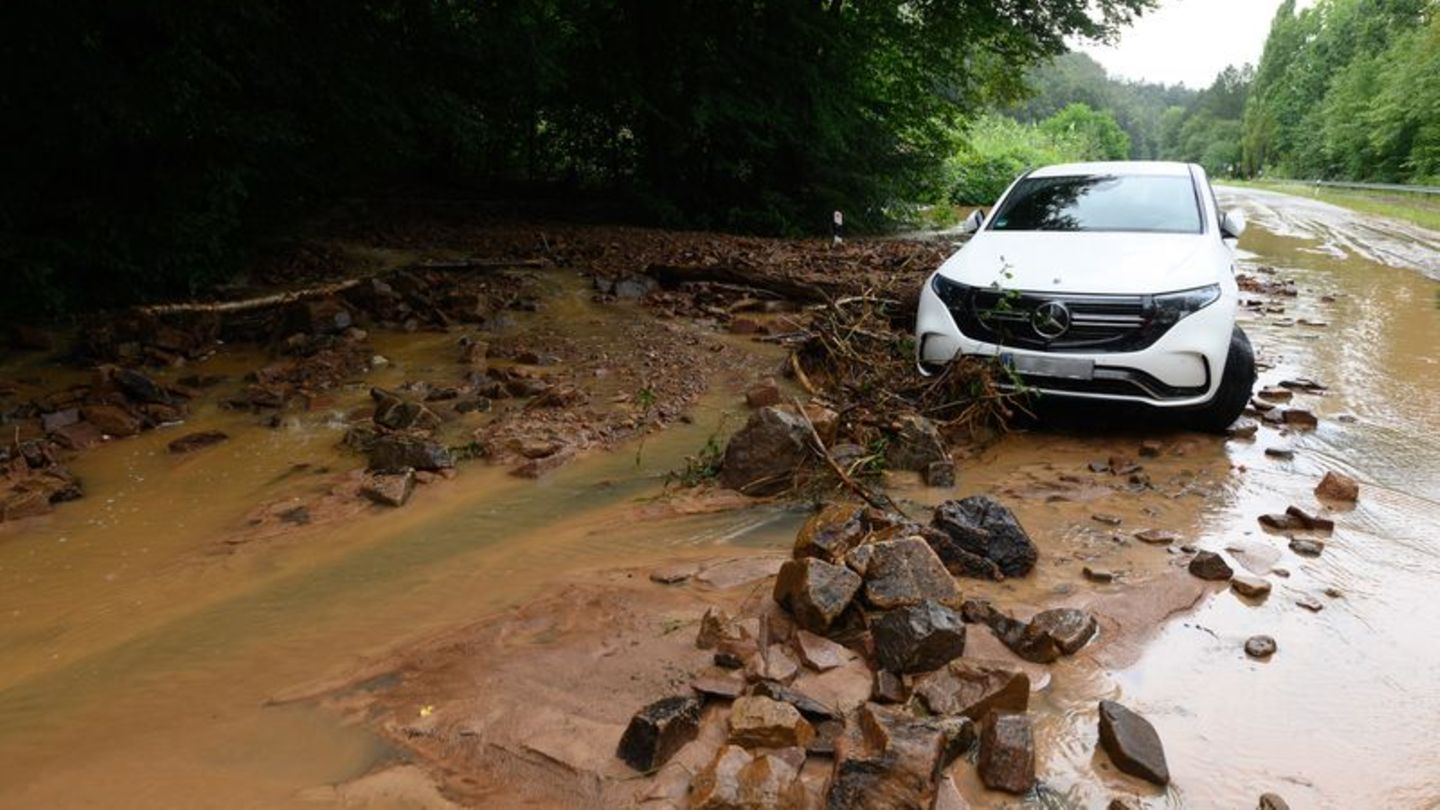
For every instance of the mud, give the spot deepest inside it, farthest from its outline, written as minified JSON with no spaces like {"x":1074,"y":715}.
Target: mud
{"x":150,"y":663}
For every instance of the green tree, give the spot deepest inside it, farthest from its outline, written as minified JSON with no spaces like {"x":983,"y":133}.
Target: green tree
{"x":1102,"y":137}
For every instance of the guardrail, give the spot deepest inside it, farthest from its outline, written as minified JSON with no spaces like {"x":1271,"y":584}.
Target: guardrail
{"x":1395,"y":187}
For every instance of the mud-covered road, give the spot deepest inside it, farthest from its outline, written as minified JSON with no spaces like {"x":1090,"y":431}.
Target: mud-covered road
{"x":147,"y":663}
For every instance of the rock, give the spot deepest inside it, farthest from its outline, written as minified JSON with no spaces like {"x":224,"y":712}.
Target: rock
{"x":1260,"y":646}
{"x":1132,"y":743}
{"x":1100,"y":575}
{"x":1046,"y":637}
{"x":983,"y":526}
{"x":715,"y":626}
{"x":674,"y":573}
{"x":657,"y":731}
{"x":773,"y":663}
{"x":826,"y":733}
{"x":761,"y":459}
{"x":735,"y":780}
{"x":1282,"y":522}
{"x":763,"y":395}
{"x":398,"y":451}
{"x":760,"y":722}
{"x":113,"y":420}
{"x":1276,"y":394}
{"x":915,"y":444}
{"x":887,"y":687}
{"x":17,"y":504}
{"x":957,"y":560}
{"x":727,"y":687}
{"x":815,"y":592}
{"x":831,"y":533}
{"x":1208,"y":565}
{"x":1108,"y":520}
{"x":389,"y":489}
{"x":809,"y":708}
{"x":1252,"y":587}
{"x":947,"y":796}
{"x":1338,"y":487}
{"x":1309,"y":604}
{"x":79,"y":436}
{"x":973,"y":689}
{"x":1122,"y":804}
{"x":1007,"y":753}
{"x":1300,"y":419}
{"x":197,"y":441}
{"x":395,"y":412}
{"x":52,"y":422}
{"x":1285,"y":453}
{"x":918,"y":638}
{"x":1151,"y":449}
{"x":940,"y":474}
{"x":893,"y":764}
{"x":1157,"y":537}
{"x":1306,"y":547}
{"x":901,"y":573}
{"x":1309,"y":521}
{"x":1243,"y":429}
{"x":138,"y":388}
{"x":1271,"y":801}
{"x":820,"y":654}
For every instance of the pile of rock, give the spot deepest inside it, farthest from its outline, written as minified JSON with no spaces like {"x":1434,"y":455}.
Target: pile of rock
{"x":115,"y":403}
{"x":857,"y":693}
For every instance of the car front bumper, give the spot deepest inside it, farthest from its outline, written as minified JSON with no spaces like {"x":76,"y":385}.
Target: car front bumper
{"x":1181,"y":369}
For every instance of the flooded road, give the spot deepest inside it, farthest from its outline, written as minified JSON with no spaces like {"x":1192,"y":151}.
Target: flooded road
{"x":141,"y":652}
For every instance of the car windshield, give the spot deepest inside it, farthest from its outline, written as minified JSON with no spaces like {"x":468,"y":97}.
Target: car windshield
{"x":1101,"y":202}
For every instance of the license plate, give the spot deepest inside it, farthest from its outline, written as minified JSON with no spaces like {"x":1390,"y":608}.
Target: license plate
{"x":1069,"y":368}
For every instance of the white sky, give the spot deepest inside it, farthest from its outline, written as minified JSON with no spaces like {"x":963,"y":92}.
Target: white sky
{"x":1189,"y":41}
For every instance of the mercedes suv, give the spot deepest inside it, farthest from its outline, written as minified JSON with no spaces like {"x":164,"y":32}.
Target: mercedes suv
{"x":1108,"y":281}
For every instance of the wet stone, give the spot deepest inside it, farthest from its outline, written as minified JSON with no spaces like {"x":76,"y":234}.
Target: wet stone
{"x":918,"y":638}
{"x":1108,"y":520}
{"x":774,"y":663}
{"x":1007,"y":753}
{"x":1300,"y":419}
{"x":1260,"y":646}
{"x":657,"y":731}
{"x":725,"y":686}
{"x":1208,"y":565}
{"x":809,"y":708}
{"x":1306,"y":547}
{"x":915,"y":444}
{"x":819,"y":653}
{"x":815,"y":592}
{"x":1100,"y":575}
{"x":760,"y":722}
{"x":1310,"y":521}
{"x":675,"y":573}
{"x":1280,"y":452}
{"x":197,"y":441}
{"x":831,"y":533}
{"x":736,"y":780}
{"x":1338,"y":487}
{"x":1310,"y":604}
{"x":389,"y":489}
{"x":1272,"y":801}
{"x":1250,"y":586}
{"x":396,"y":452}
{"x":762,"y":457}
{"x":983,"y":526}
{"x":1157,"y":537}
{"x":1046,"y":637}
{"x":1243,"y":429}
{"x":715,"y":626}
{"x":762,"y":395}
{"x":1132,"y":743}
{"x":901,"y":573}
{"x":973,"y":689}
{"x":940,"y":474}
{"x":887,"y":687}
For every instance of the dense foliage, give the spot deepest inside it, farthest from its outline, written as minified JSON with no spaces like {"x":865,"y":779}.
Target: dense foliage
{"x":998,"y":148}
{"x":149,"y":143}
{"x":1207,"y":131}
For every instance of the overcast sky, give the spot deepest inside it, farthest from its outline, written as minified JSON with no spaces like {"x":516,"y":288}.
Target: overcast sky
{"x":1189,"y":41}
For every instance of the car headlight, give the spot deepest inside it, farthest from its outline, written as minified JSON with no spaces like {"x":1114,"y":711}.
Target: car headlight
{"x":1171,"y":307}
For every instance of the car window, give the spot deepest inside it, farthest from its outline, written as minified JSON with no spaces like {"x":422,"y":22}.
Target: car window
{"x":1158,"y":203}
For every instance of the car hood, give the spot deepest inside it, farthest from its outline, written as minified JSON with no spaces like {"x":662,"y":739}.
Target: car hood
{"x":1118,"y":263}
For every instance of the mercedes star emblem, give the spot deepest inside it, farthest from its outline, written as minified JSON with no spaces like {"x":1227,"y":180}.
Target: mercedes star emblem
{"x":1051,"y":320}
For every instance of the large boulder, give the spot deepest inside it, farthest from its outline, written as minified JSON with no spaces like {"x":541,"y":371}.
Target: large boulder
{"x":832,"y":532}
{"x":901,"y":573}
{"x":815,"y":592}
{"x":915,"y":444}
{"x":761,"y":459}
{"x":957,"y":560}
{"x":894,"y":763}
{"x":1132,"y":743}
{"x":973,"y":689}
{"x":1007,"y":753}
{"x":657,"y":731}
{"x":918,"y":638}
{"x":983,"y":526}
{"x":396,"y":452}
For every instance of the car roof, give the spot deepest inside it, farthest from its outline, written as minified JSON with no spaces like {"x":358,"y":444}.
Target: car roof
{"x":1165,"y":168}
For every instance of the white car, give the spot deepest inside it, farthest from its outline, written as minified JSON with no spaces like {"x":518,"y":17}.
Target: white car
{"x":1106,"y":281}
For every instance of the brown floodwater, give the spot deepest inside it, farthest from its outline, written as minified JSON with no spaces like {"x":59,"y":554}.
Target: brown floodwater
{"x":140,"y":650}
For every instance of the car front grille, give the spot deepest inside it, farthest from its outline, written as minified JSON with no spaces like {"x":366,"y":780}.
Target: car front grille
{"x":1097,"y":323}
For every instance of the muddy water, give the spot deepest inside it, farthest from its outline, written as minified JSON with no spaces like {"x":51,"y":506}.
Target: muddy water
{"x":140,"y":650}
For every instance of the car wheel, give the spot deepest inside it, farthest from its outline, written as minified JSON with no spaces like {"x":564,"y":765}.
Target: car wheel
{"x":1236,"y":385}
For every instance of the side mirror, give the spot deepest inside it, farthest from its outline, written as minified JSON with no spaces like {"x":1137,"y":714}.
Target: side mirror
{"x":973,"y":222}
{"x":1232,"y":224}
